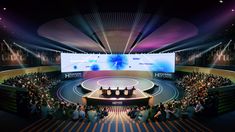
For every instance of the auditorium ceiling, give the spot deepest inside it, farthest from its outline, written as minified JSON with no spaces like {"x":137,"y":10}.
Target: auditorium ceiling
{"x":116,"y":26}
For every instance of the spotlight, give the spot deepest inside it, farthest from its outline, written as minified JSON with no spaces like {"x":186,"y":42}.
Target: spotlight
{"x":232,"y":10}
{"x":221,"y":1}
{"x":4,"y":8}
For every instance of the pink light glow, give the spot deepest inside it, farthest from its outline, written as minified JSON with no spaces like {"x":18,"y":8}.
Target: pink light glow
{"x":173,"y":31}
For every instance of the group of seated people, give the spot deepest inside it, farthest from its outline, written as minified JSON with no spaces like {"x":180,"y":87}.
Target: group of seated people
{"x":38,"y":86}
{"x":96,"y":113}
{"x":162,"y":112}
{"x":196,"y":86}
{"x":195,"y":99}
{"x":65,"y":110}
{"x":41,"y":102}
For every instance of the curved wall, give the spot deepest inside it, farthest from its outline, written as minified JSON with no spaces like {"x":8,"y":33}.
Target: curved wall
{"x":16,"y":72}
{"x":91,"y":74}
{"x":219,"y":72}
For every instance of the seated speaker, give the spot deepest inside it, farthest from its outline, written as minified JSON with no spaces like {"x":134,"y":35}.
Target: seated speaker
{"x":126,"y":91}
{"x":117,"y":92}
{"x":109,"y":92}
{"x":101,"y":90}
{"x":104,"y":92}
{"x":132,"y":91}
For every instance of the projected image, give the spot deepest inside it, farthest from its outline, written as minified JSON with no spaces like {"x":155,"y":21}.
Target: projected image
{"x":136,"y":62}
{"x":118,"y":61}
{"x":162,"y":66}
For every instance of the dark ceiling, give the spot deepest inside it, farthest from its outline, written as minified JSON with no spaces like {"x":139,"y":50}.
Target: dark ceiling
{"x":209,"y":16}
{"x":44,"y":10}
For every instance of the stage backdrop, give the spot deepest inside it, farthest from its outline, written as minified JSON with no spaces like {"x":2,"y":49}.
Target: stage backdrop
{"x":164,"y":62}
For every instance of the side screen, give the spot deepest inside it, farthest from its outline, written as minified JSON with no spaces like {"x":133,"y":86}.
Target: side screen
{"x":136,"y":62}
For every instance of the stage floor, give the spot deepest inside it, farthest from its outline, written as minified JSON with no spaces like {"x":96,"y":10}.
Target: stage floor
{"x":114,"y":82}
{"x":71,"y":91}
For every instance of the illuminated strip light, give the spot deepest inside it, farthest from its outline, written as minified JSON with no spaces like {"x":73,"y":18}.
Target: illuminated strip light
{"x":205,"y":51}
{"x":81,"y":50}
{"x":186,"y":49}
{"x":25,"y":49}
{"x":199,"y":40}
{"x":132,"y":31}
{"x":47,"y":49}
{"x":102,"y":48}
{"x":31,"y":52}
{"x":54,"y":46}
{"x":132,"y":48}
{"x":98,"y":20}
{"x":77,"y":49}
{"x":165,"y":47}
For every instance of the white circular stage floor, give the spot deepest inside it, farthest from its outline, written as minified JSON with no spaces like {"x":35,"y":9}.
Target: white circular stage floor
{"x":114,"y":82}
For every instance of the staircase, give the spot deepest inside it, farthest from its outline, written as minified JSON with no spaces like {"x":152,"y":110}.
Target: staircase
{"x":116,"y":121}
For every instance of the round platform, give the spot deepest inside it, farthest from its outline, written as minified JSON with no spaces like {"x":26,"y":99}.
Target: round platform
{"x":69,"y":91}
{"x":114,"y":82}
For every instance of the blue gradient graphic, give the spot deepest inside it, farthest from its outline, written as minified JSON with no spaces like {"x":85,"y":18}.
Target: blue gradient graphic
{"x":75,"y":67}
{"x":95,"y":67}
{"x":117,"y":62}
{"x":162,"y":66}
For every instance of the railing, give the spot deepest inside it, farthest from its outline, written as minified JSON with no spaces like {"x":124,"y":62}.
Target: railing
{"x":225,"y":98}
{"x":13,"y":99}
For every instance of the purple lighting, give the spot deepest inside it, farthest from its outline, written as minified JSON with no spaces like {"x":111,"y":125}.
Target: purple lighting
{"x":173,"y":31}
{"x":61,"y":31}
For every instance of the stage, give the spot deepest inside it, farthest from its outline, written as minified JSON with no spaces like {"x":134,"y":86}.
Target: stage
{"x":114,"y":82}
{"x":86,"y":91}
{"x":95,"y":96}
{"x":138,"y":98}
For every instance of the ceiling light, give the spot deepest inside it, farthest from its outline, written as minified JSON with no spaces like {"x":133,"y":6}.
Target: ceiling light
{"x":4,"y":8}
{"x":221,"y":1}
{"x":233,"y":10}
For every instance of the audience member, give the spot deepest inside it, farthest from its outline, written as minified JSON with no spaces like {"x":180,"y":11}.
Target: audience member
{"x":92,"y":114}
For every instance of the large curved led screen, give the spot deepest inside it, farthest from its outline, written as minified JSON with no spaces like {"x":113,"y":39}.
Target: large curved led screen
{"x":137,"y":62}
